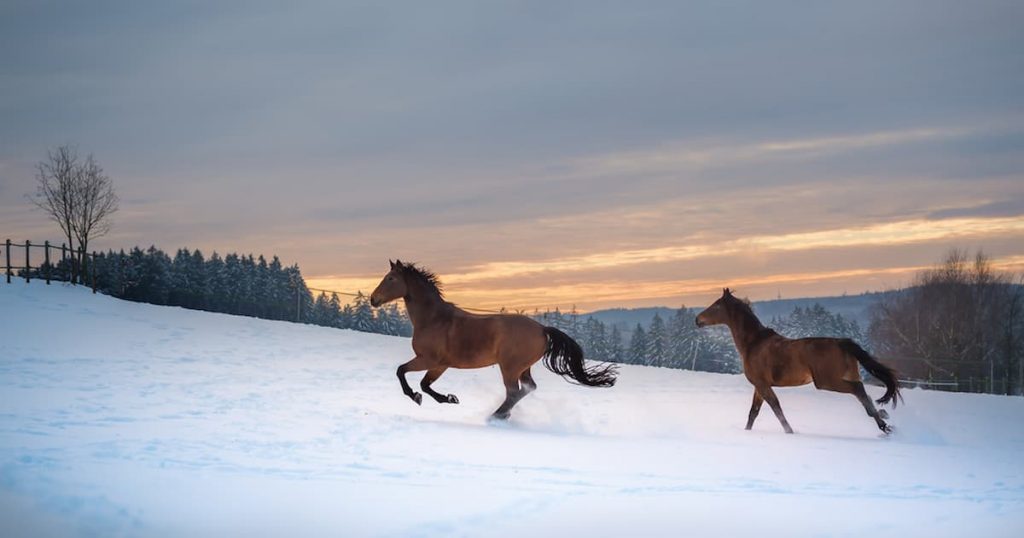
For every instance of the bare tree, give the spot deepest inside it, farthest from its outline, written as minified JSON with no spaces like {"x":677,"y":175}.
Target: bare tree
{"x":960,"y":318}
{"x":55,"y":190}
{"x":95,"y":203}
{"x":78,"y":196}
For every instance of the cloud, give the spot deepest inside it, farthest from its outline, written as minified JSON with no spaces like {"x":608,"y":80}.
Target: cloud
{"x":521,"y":135}
{"x":998,"y":208}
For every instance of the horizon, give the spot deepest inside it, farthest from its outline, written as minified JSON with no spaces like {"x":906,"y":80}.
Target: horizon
{"x":537,"y":156}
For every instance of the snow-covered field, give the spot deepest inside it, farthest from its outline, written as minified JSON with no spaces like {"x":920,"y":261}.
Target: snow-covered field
{"x":119,"y":418}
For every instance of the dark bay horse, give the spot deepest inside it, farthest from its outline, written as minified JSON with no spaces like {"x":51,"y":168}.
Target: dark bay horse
{"x":772,"y":360}
{"x":445,"y":336}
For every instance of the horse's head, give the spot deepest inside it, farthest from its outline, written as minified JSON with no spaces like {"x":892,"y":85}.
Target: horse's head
{"x":716,"y":314}
{"x":391,"y":287}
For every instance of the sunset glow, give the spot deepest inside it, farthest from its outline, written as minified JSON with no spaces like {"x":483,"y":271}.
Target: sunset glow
{"x":494,"y":285}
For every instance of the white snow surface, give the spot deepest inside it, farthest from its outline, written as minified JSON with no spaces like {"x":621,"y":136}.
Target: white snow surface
{"x":126,"y":419}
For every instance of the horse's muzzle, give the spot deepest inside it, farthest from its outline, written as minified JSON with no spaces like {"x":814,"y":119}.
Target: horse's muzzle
{"x":698,"y":322}
{"x":374,"y":302}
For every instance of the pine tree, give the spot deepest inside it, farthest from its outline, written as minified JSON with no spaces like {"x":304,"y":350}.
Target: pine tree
{"x":656,"y":341}
{"x":198,"y":280}
{"x":334,"y":304}
{"x":638,"y":346}
{"x":216,"y":283}
{"x":362,"y":315}
{"x":682,"y":339}
{"x":615,"y":351}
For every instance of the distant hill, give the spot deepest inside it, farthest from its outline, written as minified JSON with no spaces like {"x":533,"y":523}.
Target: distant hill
{"x":853,"y":307}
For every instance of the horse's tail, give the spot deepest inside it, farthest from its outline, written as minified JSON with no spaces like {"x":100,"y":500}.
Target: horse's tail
{"x":565,"y":358}
{"x":882,"y":372}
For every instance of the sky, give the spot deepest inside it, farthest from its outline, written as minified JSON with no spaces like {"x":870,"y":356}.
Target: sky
{"x":536,"y":154}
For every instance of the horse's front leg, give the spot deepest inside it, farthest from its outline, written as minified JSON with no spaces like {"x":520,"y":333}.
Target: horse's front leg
{"x":429,"y":379}
{"x":755,"y":408}
{"x":417,"y":364}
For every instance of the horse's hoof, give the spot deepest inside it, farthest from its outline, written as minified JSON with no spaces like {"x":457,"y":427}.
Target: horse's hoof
{"x":887,"y":430}
{"x":883,"y":414}
{"x":418,"y":398}
{"x":452,"y":399}
{"x":501,"y":416}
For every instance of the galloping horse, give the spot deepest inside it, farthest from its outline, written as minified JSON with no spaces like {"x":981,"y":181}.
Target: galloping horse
{"x":445,"y":336}
{"x":772,"y":360}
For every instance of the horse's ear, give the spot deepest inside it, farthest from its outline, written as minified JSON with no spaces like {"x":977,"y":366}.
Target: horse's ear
{"x":398,"y":264}
{"x":726,"y":291}
{"x":392,"y":263}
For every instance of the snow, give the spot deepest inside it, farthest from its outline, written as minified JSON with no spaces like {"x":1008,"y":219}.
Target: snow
{"x":119,"y":418}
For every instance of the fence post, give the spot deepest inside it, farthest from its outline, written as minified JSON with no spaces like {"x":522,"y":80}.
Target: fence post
{"x":46,"y":257}
{"x":92,"y":268}
{"x":28,"y":266}
{"x":8,"y":258}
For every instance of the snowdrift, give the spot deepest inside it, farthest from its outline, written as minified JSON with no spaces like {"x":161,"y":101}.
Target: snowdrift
{"x":119,"y":418}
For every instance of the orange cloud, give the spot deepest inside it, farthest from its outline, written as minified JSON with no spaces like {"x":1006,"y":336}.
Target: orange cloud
{"x":494,"y":285}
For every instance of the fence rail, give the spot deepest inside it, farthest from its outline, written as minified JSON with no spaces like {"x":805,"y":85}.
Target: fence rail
{"x":69,"y":257}
{"x":981,"y":385}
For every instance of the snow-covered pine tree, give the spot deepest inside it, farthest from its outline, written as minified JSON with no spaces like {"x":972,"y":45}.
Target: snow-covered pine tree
{"x":615,"y":351}
{"x":347,"y":317}
{"x":154,"y":277}
{"x":362,"y":314}
{"x":216,"y":276}
{"x":593,"y":333}
{"x":335,"y":308}
{"x":259,"y":292}
{"x":638,"y":346}
{"x":682,"y":339}
{"x":657,"y":338}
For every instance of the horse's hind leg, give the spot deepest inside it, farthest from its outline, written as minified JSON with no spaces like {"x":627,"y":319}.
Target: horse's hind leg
{"x":513,"y":393}
{"x":755,"y":408}
{"x":526,"y":380}
{"x":428,"y":379}
{"x":857,"y":388}
{"x":773,"y":401}
{"x":417,"y":364}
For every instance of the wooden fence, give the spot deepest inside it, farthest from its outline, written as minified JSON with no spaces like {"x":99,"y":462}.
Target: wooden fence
{"x":68,"y":258}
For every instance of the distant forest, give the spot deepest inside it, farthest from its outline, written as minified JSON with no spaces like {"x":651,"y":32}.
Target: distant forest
{"x":244,"y":285}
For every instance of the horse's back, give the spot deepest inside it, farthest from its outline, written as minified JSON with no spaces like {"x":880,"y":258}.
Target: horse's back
{"x":827,"y":364}
{"x":481,"y":340}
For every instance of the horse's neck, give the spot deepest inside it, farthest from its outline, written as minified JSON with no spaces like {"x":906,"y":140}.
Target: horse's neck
{"x":423,"y":307}
{"x":746,"y":330}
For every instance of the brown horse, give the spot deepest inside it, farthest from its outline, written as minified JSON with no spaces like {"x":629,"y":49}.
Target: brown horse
{"x":445,"y":336}
{"x":772,"y":360}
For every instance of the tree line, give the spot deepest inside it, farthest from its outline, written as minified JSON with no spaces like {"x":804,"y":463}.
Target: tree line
{"x":244,"y":285}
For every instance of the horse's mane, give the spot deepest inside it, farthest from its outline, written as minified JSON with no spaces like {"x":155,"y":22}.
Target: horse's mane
{"x":422,"y":274}
{"x":750,"y":320}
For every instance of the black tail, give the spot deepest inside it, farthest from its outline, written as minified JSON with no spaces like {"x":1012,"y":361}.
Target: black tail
{"x":565,"y":358}
{"x":881,"y":372}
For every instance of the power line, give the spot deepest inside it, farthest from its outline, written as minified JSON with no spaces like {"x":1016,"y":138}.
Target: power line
{"x":350,"y":294}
